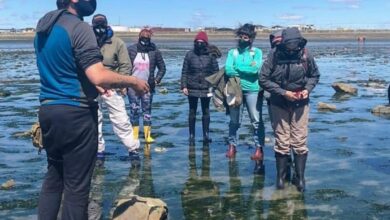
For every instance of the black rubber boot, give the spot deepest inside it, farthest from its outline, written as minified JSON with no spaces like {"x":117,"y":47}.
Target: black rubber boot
{"x":206,"y":128}
{"x":281,"y":168}
{"x":191,"y":126}
{"x":299,"y":175}
{"x":290,"y":166}
{"x":388,"y":94}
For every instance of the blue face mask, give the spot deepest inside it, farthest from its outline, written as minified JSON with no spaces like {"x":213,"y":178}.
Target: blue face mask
{"x":85,"y":8}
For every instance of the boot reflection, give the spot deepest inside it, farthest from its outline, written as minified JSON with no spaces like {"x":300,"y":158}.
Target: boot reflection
{"x":234,"y":206}
{"x":200,"y":196}
{"x":287,"y":204}
{"x":255,"y":205}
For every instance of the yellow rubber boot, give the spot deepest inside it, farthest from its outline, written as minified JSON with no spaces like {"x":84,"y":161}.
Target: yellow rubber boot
{"x":147,"y":133}
{"x":135,"y":132}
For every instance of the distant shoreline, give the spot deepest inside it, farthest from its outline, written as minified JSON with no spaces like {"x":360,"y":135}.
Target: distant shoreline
{"x":314,"y":35}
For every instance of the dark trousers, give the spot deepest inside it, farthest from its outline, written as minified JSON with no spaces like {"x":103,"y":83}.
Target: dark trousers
{"x":70,"y":138}
{"x":205,"y":103}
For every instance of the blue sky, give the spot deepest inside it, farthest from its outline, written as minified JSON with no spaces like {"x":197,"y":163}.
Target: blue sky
{"x":220,"y":13}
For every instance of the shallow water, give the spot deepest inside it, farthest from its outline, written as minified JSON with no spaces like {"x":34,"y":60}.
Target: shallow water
{"x":348,"y":169}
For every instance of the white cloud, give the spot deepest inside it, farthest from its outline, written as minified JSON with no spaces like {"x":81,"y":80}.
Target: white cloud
{"x":290,"y":17}
{"x":354,"y":4}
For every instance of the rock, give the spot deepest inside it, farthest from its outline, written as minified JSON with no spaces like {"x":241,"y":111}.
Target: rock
{"x":344,"y":88}
{"x":8,"y":185}
{"x":160,"y":149}
{"x":381,"y":110}
{"x":163,"y":90}
{"x":267,"y":140}
{"x":325,"y":106}
{"x":4,"y":93}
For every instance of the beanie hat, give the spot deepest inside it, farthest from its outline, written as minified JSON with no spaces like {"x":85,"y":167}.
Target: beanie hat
{"x":99,"y":20}
{"x":202,"y":36}
{"x":146,"y":32}
{"x":62,"y":4}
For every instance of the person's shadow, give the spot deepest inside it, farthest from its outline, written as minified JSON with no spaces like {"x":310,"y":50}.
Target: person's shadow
{"x":200,"y":197}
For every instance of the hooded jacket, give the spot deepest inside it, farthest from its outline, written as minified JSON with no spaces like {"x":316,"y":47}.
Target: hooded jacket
{"x":65,"y":47}
{"x":280,"y":73}
{"x":155,"y":59}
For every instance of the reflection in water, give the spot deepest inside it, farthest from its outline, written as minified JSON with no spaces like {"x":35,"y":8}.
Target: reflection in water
{"x":138,"y":182}
{"x":200,"y":196}
{"x":287,"y":204}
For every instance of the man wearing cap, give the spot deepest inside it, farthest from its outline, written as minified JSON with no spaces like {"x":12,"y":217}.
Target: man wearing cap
{"x":145,"y":58}
{"x":115,"y":58}
{"x":71,"y":74}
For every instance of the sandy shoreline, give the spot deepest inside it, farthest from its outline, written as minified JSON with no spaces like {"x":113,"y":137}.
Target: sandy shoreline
{"x":318,"y":35}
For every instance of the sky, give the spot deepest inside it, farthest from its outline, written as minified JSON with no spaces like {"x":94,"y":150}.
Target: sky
{"x":324,"y":14}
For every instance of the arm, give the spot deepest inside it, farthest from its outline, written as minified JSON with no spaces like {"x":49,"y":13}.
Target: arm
{"x":313,"y":74}
{"x":124,"y":63}
{"x":160,"y":66}
{"x":214,"y":63}
{"x":254,"y":64}
{"x":184,"y":71}
{"x":230,"y":65}
{"x":265,"y":77}
{"x":104,"y":78}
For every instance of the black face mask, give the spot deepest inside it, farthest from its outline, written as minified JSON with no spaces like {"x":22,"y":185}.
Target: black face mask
{"x":243,"y":43}
{"x":200,"y":47}
{"x":85,"y":8}
{"x":144,"y":41}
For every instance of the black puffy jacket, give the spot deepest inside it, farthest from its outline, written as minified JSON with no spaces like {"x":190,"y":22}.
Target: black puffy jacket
{"x":155,"y":59}
{"x":195,"y":69}
{"x":278,"y":77}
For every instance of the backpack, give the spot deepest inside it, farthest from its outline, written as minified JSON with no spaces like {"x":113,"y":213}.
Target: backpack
{"x":140,"y":208}
{"x":36,"y":136}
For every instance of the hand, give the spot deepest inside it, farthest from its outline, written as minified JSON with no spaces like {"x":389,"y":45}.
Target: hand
{"x":140,"y":87}
{"x":123,"y":91}
{"x":185,"y":91}
{"x":105,"y":92}
{"x":304,"y":94}
{"x":290,"y":96}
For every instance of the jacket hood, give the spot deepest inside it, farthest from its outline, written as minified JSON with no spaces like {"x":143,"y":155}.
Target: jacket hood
{"x":293,"y":34}
{"x":47,"y":22}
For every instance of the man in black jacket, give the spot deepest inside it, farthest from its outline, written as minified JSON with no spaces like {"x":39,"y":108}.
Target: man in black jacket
{"x":289,"y":74}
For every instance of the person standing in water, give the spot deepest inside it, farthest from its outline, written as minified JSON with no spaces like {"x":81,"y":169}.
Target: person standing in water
{"x":198,"y":64}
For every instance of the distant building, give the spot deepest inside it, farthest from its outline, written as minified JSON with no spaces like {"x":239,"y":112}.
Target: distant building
{"x":210,"y":29}
{"x":276,"y":27}
{"x":225,"y":29}
{"x":134,"y":29}
{"x":5,"y":30}
{"x":260,"y":27}
{"x":28,"y":30}
{"x":116,"y":28}
{"x":170,"y":29}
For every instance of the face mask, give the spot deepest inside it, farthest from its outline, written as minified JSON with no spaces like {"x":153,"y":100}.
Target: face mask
{"x":244,"y":43}
{"x":85,"y":8}
{"x":100,"y":31}
{"x":144,"y":41}
{"x":200,"y":44}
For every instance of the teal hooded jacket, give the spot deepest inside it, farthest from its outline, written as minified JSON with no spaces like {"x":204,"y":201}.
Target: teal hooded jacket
{"x":246,"y":65}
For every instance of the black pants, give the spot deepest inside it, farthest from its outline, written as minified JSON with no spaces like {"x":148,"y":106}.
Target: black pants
{"x":205,"y":103}
{"x":70,"y":138}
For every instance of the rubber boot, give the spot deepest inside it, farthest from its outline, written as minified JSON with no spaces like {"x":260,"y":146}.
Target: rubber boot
{"x":258,"y":154}
{"x":135,"y":132}
{"x":281,"y":169}
{"x":299,"y":176}
{"x":206,"y":129}
{"x":290,"y":166}
{"x":191,"y":126}
{"x":147,"y":133}
{"x":259,"y":167}
{"x":231,"y":152}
